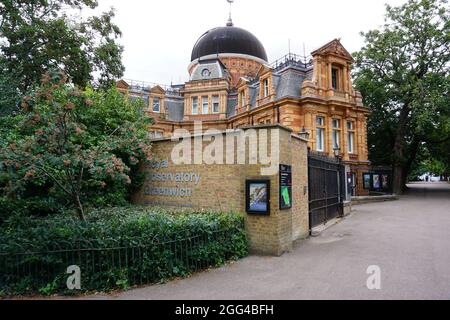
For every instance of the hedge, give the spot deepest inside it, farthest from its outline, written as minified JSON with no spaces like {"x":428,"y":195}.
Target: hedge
{"x":115,"y":248}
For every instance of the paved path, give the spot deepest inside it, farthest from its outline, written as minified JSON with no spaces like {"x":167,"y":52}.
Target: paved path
{"x":408,"y":239}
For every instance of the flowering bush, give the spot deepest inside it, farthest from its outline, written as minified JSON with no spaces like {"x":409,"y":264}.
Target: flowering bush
{"x":79,"y":147}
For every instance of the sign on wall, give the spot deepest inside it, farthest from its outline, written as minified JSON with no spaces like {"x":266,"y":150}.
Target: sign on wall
{"x":285,"y":187}
{"x":376,"y":181}
{"x":258,"y":197}
{"x":367,"y":181}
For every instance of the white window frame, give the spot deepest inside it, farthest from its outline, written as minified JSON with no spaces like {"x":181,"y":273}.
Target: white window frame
{"x":350,"y":126}
{"x":215,"y":104}
{"x":194,"y":105}
{"x":336,"y":134}
{"x":338,"y":122}
{"x":336,"y":139}
{"x":242,"y":98}
{"x":320,"y":139}
{"x":205,"y":103}
{"x":158,"y":100}
{"x":320,"y":121}
{"x":351,"y":142}
{"x":320,"y":134}
{"x":350,"y":137}
{"x":266,"y":87}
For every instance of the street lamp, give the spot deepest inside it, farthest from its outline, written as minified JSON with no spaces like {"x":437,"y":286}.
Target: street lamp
{"x":304,"y":134}
{"x":337,"y":152}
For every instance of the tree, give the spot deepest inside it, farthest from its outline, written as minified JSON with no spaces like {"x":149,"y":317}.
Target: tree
{"x":9,"y":93}
{"x":78,"y":141}
{"x":403,"y":72}
{"x":37,"y":35}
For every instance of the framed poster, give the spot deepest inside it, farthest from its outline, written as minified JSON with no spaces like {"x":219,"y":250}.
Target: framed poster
{"x":285,"y":187}
{"x":258,"y":197}
{"x":376,"y":181}
{"x":367,"y":181}
{"x":385,"y":181}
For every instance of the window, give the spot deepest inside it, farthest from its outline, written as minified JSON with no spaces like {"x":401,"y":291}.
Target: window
{"x":156,"y":105}
{"x":320,"y":134}
{"x":320,"y":121}
{"x":351,"y":137}
{"x":336,"y":133}
{"x":155,"y":135}
{"x":266,"y":87}
{"x":334,"y":78}
{"x":215,"y":102}
{"x":336,"y":124}
{"x":205,"y":105}
{"x":242,"y":99}
{"x":194,"y":105}
{"x":350,"y":125}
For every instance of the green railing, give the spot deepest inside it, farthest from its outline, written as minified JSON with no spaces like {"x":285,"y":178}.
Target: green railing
{"x":112,"y":263}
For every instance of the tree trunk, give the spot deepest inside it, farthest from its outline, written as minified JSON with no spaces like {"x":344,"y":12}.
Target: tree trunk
{"x":80,"y":209}
{"x":398,"y":184}
{"x":397,"y":181}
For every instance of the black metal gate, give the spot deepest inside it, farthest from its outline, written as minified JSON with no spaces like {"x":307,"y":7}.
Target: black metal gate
{"x":326,"y":189}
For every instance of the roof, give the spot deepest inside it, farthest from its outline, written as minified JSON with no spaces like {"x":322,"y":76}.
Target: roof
{"x":335,"y":48}
{"x":231,"y":105}
{"x":289,"y":84}
{"x":228,"y":39}
{"x":174,"y":109}
{"x":209,"y":69}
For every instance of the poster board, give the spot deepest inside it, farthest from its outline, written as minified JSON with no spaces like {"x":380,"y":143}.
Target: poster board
{"x":285,"y":187}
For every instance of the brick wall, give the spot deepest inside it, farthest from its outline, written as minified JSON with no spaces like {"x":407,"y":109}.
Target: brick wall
{"x":222,"y":188}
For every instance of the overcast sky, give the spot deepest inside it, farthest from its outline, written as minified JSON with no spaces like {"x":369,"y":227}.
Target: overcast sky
{"x":158,"y":36}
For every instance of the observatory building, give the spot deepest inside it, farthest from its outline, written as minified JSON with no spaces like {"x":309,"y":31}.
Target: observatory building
{"x":232,"y":84}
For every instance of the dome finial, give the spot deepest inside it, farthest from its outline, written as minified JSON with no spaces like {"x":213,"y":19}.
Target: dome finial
{"x":230,"y":21}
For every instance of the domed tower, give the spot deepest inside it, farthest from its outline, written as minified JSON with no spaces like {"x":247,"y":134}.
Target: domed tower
{"x":239,"y":50}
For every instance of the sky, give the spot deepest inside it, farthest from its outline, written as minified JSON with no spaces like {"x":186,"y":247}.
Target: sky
{"x":158,"y":36}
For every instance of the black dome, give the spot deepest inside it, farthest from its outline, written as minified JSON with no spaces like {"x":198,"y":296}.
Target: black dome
{"x":228,"y":40}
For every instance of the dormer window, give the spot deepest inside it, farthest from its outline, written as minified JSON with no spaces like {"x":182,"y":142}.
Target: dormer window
{"x":242,"y":98}
{"x":156,"y":105}
{"x":266,"y":87}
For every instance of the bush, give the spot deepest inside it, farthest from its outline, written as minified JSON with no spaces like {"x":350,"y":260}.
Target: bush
{"x":77,"y":148}
{"x":114,"y":248}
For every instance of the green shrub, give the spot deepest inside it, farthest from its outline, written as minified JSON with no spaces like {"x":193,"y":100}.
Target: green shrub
{"x":115,"y":248}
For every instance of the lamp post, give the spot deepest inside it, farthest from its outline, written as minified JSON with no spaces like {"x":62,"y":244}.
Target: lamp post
{"x":304,"y":134}
{"x":337,"y":152}
{"x":337,"y":155}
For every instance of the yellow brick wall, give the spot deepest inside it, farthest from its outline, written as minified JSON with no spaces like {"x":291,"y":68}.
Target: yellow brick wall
{"x":222,"y":188}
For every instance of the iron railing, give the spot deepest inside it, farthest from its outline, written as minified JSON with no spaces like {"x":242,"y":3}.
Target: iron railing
{"x":146,"y":86}
{"x":112,"y":264}
{"x":292,"y":59}
{"x":326,"y":188}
